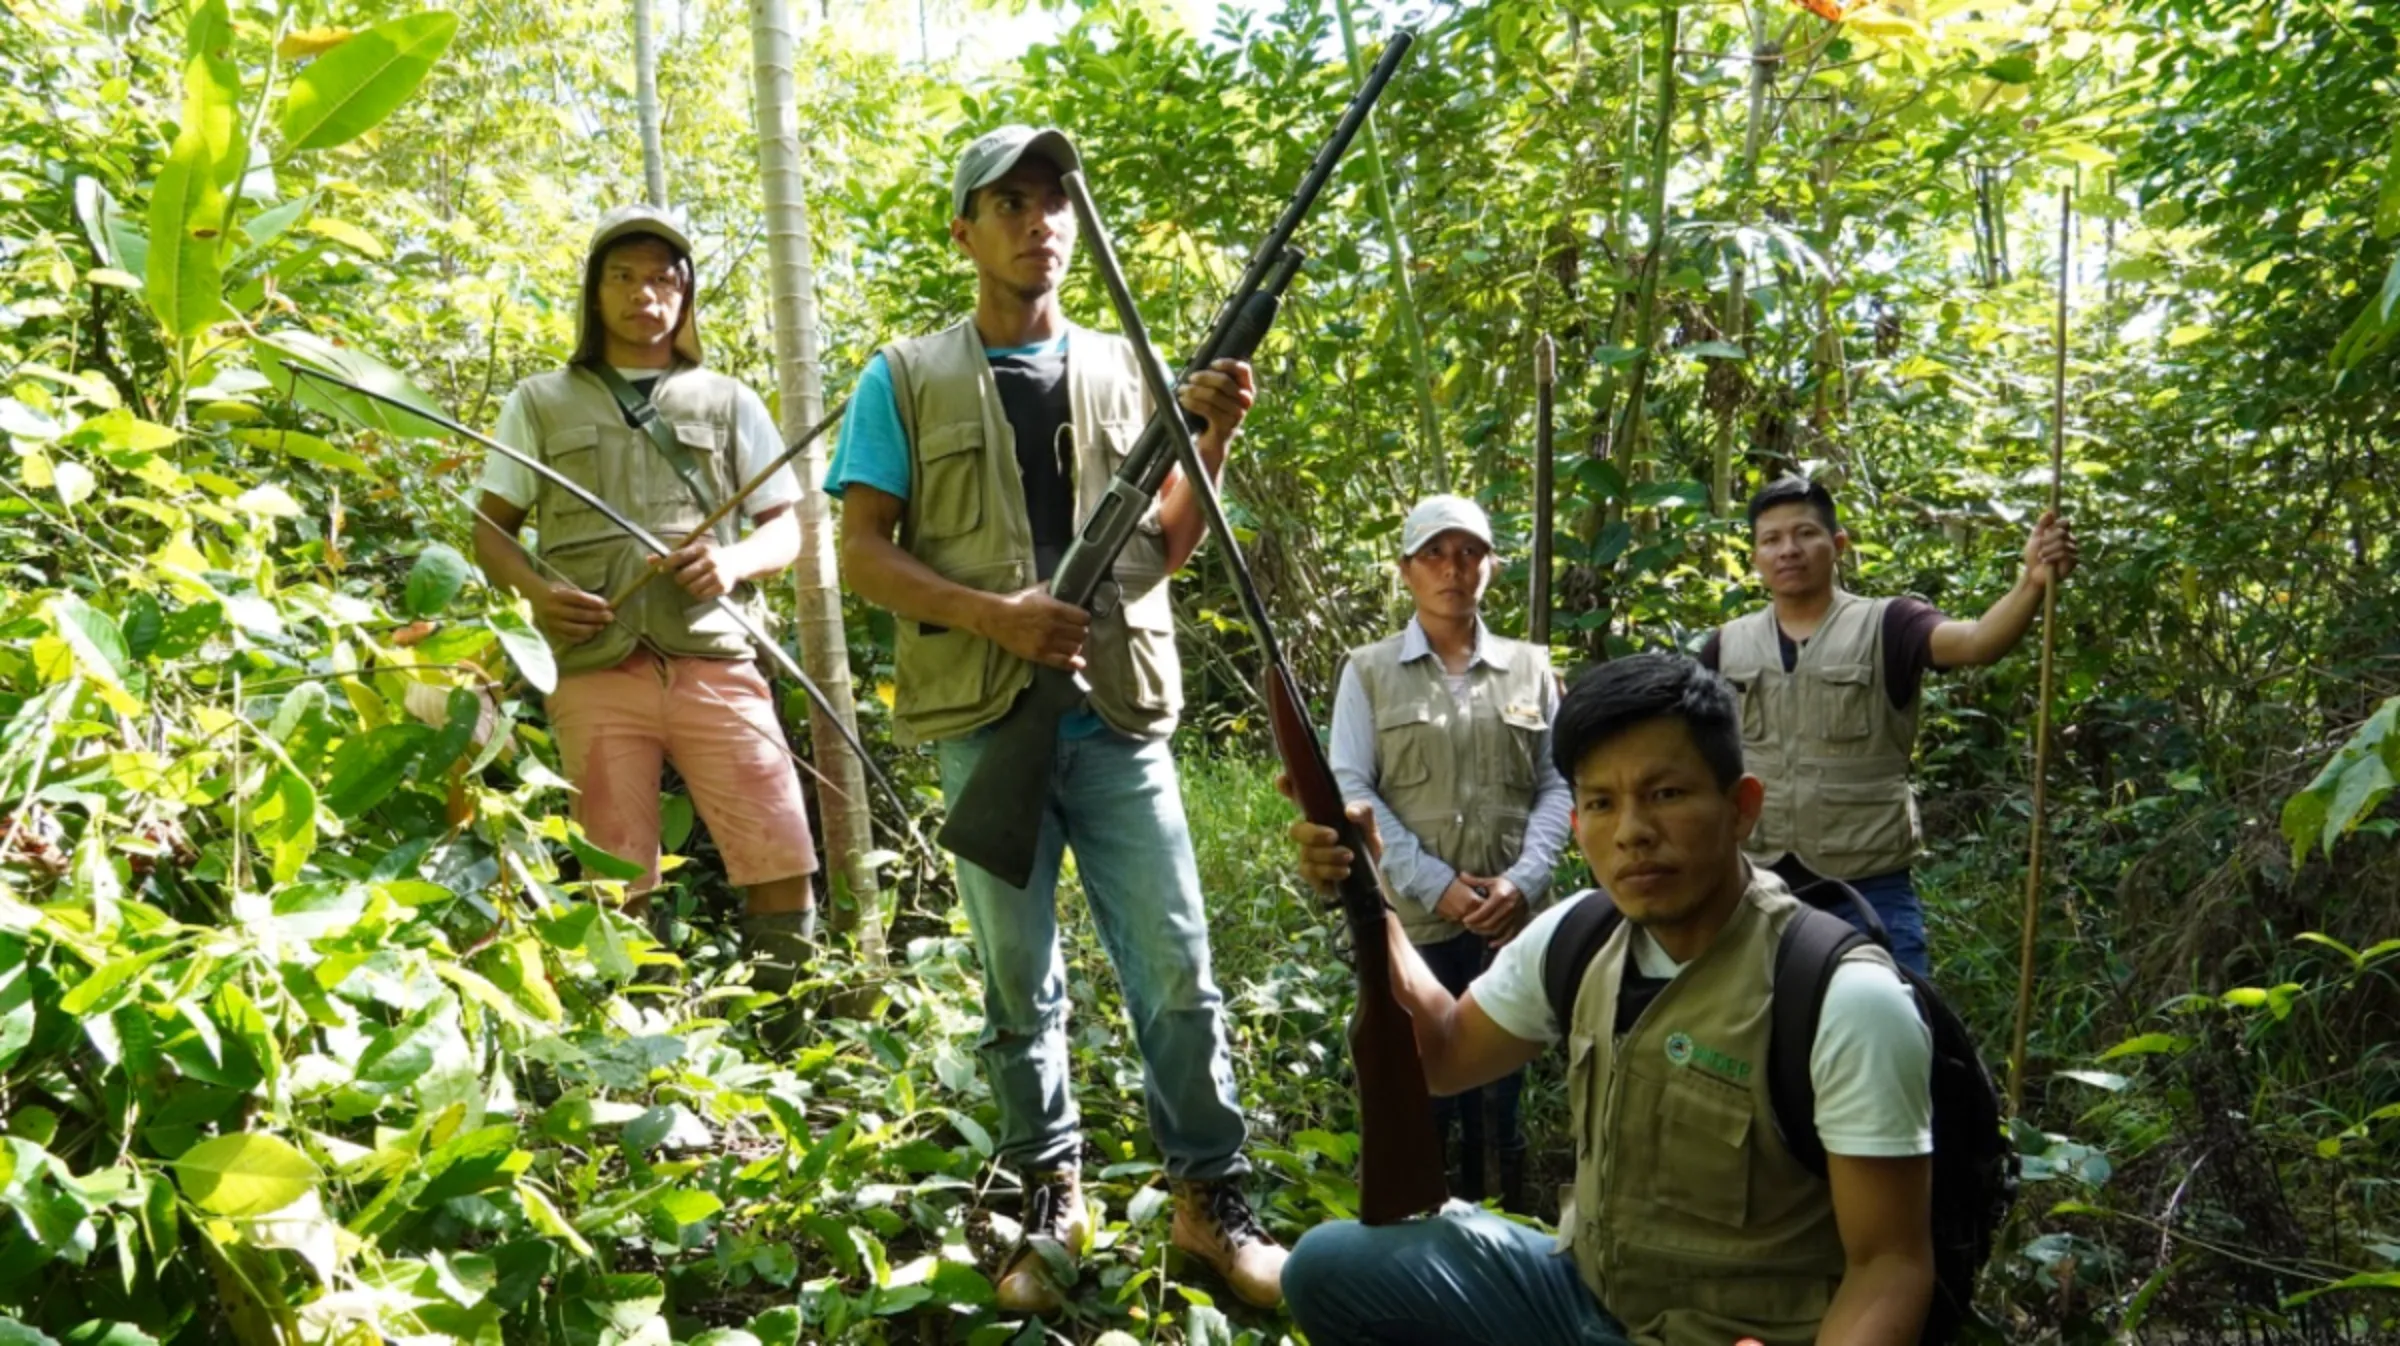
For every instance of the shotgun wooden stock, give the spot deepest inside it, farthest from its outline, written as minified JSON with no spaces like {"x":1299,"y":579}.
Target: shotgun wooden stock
{"x":1399,"y":1142}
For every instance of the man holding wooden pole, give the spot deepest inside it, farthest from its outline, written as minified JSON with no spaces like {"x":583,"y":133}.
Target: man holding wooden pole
{"x":653,"y":671}
{"x":1828,"y":683}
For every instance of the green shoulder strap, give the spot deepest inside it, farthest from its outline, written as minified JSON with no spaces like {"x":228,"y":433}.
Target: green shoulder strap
{"x":644,"y":417}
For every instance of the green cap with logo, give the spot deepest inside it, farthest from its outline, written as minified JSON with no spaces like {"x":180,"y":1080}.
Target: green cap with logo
{"x":998,"y":150}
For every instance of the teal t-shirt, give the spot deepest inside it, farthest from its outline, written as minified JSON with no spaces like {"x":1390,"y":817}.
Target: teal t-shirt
{"x":873,"y":450}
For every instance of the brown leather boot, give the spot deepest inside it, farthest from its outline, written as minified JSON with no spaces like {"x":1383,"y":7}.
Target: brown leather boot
{"x":1214,"y":1223}
{"x":1058,"y":1229}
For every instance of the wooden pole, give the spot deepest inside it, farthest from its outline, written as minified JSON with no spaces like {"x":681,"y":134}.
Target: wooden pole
{"x":1545,"y":380}
{"x":2041,"y":721}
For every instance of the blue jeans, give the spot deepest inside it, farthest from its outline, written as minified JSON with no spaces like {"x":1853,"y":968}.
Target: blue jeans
{"x":1115,"y":801}
{"x":1464,"y":1277}
{"x":1894,"y":898}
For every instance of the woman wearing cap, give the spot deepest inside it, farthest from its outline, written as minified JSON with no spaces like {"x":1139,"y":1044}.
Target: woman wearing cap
{"x":1445,"y":729}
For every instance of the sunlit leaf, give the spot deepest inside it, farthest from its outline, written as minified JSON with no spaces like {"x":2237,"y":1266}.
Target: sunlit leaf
{"x":247,"y":1174}
{"x":346,"y":91}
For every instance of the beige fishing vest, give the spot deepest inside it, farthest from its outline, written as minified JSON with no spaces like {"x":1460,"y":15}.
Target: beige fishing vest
{"x":1459,"y":777}
{"x":1826,"y":740}
{"x":1690,"y":1221}
{"x":966,"y":519}
{"x":582,"y":434}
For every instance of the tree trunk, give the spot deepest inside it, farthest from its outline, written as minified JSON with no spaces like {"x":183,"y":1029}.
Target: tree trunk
{"x":1764,"y":53}
{"x":645,"y":97}
{"x":1645,"y":316}
{"x":1429,"y":425}
{"x":824,"y":648}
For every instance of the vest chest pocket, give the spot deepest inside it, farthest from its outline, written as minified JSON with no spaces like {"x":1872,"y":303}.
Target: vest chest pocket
{"x":1702,"y":1160}
{"x":1520,"y":757}
{"x":1751,"y":697}
{"x":1845,"y":701}
{"x":705,"y":444}
{"x":574,"y":453}
{"x":948,"y":499}
{"x":1404,"y":742}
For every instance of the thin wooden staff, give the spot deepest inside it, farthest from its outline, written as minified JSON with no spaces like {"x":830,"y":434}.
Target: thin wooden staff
{"x":708,"y":525}
{"x":1545,"y":377}
{"x":2041,"y":720}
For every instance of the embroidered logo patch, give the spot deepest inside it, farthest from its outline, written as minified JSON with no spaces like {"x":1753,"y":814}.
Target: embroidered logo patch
{"x":1684,"y":1052}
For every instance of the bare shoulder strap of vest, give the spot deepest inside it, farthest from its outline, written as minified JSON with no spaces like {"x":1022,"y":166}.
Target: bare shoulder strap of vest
{"x":643,"y":416}
{"x":1573,"y":946}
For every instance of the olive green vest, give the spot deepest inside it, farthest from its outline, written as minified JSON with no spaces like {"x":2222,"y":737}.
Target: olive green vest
{"x":1690,"y":1221}
{"x":1826,"y":740}
{"x":1459,"y":777}
{"x":966,"y":519}
{"x":581,"y":433}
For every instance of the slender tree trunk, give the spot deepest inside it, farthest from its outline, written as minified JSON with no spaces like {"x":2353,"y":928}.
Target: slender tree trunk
{"x":824,"y":648}
{"x":1629,"y":430}
{"x":645,"y":97}
{"x":1429,"y":424}
{"x":1763,"y":56}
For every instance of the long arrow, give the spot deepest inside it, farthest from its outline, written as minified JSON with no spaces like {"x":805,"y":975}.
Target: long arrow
{"x":775,"y":653}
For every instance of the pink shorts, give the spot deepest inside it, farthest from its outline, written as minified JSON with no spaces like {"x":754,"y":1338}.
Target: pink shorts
{"x":715,"y":720}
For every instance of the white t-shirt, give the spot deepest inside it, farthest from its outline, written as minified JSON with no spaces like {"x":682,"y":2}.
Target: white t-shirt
{"x":758,"y":441}
{"x":1872,"y":1061}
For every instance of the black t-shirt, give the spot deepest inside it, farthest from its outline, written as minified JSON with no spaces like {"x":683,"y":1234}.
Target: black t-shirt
{"x":1033,"y":395}
{"x":1907,"y":648}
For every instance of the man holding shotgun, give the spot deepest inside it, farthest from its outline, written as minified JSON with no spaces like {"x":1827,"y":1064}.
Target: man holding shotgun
{"x":965,"y":464}
{"x":653,"y":671}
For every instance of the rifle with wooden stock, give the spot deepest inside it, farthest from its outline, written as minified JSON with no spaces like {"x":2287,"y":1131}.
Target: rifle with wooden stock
{"x":995,"y":821}
{"x":1400,"y":1144}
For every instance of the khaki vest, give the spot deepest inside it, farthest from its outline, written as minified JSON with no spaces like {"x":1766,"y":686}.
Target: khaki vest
{"x":966,"y":519}
{"x":1826,"y":740}
{"x":582,"y":434}
{"x":1460,"y":778}
{"x":1690,"y":1221}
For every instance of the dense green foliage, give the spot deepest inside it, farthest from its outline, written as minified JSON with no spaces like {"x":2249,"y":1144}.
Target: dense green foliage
{"x":310,"y":1031}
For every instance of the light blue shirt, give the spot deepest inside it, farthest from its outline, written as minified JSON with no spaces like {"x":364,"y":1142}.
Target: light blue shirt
{"x":1415,"y":873}
{"x":873,"y":451}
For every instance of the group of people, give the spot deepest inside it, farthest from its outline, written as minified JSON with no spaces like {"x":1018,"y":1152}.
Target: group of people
{"x":1697,"y":790}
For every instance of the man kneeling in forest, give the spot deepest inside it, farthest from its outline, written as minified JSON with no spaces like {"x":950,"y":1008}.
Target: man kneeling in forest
{"x":1691,"y":1223}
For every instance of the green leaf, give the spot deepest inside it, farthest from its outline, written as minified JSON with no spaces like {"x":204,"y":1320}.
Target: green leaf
{"x":98,"y":643}
{"x":279,"y":351}
{"x":116,"y":243}
{"x":2387,"y":205}
{"x":2148,"y":1044}
{"x":248,"y":1174}
{"x":184,"y":280}
{"x":601,"y":864}
{"x":462,"y":713}
{"x":17,"y":1011}
{"x":526,"y":649}
{"x":368,"y":766}
{"x":345,"y":92}
{"x":2011,"y":70}
{"x":396,"y":1057}
{"x":688,"y":1207}
{"x":439,"y":573}
{"x":144,"y":623}
{"x":307,"y":448}
{"x":14,"y":1333}
{"x":1720,"y":350}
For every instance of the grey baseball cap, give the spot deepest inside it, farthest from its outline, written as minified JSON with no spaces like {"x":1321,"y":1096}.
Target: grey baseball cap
{"x":638,"y":219}
{"x":996,"y":151}
{"x":1439,"y":514}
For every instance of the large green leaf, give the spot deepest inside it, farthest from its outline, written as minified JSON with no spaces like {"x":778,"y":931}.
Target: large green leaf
{"x":16,"y":1000}
{"x":115,"y":240}
{"x":345,"y":92}
{"x":307,"y":448}
{"x":279,"y":352}
{"x":439,"y":573}
{"x":526,"y":649}
{"x":185,"y":279}
{"x":248,"y":1174}
{"x":368,"y":766}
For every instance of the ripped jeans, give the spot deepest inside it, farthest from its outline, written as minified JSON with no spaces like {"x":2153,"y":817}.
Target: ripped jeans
{"x":1116,"y":803}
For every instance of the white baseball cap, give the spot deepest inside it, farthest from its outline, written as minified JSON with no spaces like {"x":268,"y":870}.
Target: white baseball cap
{"x":1439,"y":514}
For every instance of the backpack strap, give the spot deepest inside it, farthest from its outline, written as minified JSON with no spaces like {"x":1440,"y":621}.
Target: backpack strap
{"x":1813,"y":945}
{"x":1573,"y":946}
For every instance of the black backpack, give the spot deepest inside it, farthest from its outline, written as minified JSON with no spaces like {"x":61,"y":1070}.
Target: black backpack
{"x":1974,"y":1164}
